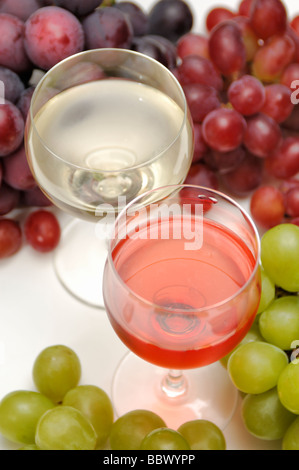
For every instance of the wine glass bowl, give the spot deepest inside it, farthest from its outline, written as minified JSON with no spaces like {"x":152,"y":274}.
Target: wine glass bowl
{"x":104,"y":124}
{"x":186,"y":273}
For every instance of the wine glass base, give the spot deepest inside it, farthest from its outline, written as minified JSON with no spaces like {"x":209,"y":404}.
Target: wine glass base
{"x":210,"y":395}
{"x":79,"y":262}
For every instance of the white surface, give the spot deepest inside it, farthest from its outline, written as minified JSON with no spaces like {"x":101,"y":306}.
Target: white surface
{"x":37,"y":312}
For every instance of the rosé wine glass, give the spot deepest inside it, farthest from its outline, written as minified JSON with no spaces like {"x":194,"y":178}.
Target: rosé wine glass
{"x":105,"y":125}
{"x":181,"y":289}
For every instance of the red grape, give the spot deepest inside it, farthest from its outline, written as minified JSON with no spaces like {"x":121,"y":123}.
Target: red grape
{"x":21,"y":9}
{"x":292,"y":122}
{"x":278,"y":104}
{"x":202,"y":99}
{"x":247,"y":95}
{"x":52,"y":34}
{"x":262,"y":135}
{"x":16,"y":171}
{"x":193,"y":44}
{"x":170,"y":18}
{"x":224,"y":161}
{"x":291,"y":201}
{"x":217,"y":15}
{"x":284,"y":162}
{"x":34,"y":198}
{"x":9,"y":199}
{"x":246,"y":177}
{"x":107,"y":27}
{"x":42,"y":230}
{"x":223,"y":129}
{"x":201,"y":175}
{"x":250,"y":39}
{"x":268,"y":18}
{"x":11,"y":128}
{"x":12,"y":50}
{"x":271,"y":59}
{"x":245,"y":7}
{"x":294,"y":23}
{"x":200,"y":147}
{"x":226,"y":48}
{"x":290,"y":74}
{"x":10,"y":237}
{"x":196,"y":69}
{"x":267,"y":206}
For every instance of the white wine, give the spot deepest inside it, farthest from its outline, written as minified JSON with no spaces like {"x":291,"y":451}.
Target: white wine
{"x":103,"y":139}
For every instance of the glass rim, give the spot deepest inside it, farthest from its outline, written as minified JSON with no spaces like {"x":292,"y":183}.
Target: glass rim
{"x":107,"y":50}
{"x":167,"y":310}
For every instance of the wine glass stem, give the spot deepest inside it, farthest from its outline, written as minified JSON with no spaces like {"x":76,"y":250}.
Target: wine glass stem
{"x":174,"y":384}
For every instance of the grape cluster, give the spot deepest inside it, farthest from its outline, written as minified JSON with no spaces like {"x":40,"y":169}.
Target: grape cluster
{"x":240,"y":83}
{"x":62,"y":414}
{"x":265,"y":365}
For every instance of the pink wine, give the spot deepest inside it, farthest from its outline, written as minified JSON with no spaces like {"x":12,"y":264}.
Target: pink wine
{"x":178,"y":308}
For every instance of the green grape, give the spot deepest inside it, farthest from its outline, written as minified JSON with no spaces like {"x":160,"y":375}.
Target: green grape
{"x":264,"y":416}
{"x":255,"y":367}
{"x":279,"y":323}
{"x":129,"y":430}
{"x":267,"y":292}
{"x":164,"y":439}
{"x":202,"y":434}
{"x":252,"y":335}
{"x":29,"y":447}
{"x":95,"y":405}
{"x":288,"y":387}
{"x":290,"y":440}
{"x":65,"y":428}
{"x":56,"y":370}
{"x":19,"y":414}
{"x":280,"y":254}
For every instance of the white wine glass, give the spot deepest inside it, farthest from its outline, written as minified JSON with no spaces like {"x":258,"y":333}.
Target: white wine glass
{"x":104,"y":126}
{"x":186,"y":272}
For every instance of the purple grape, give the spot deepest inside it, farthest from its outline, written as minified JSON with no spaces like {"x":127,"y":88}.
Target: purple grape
{"x":9,"y":199}
{"x":34,"y":198}
{"x":22,"y":9}
{"x":13,"y":85}
{"x":12,"y":50}
{"x":167,"y":48}
{"x":157,"y":47}
{"x":11,"y":128}
{"x":16,"y":171}
{"x":149,"y":48}
{"x":138,"y":17}
{"x":170,"y":18}
{"x":24,"y":101}
{"x":107,"y":27}
{"x":78,"y":7}
{"x":52,"y":34}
